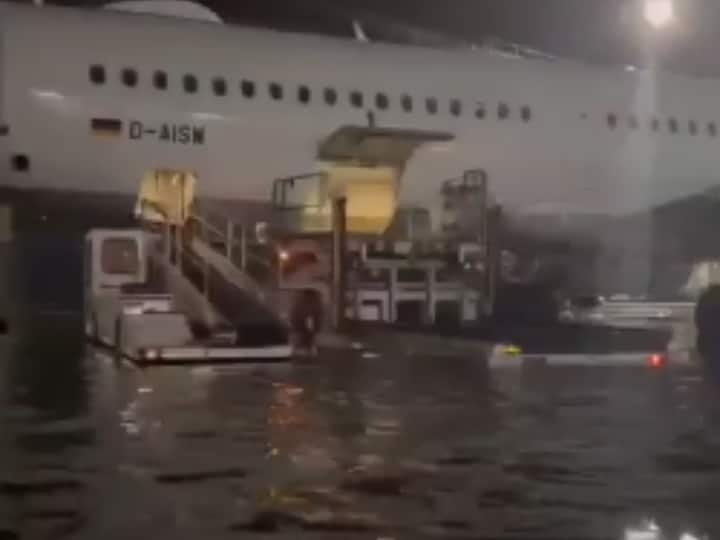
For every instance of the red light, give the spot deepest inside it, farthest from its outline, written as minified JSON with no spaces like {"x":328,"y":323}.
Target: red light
{"x":656,"y":361}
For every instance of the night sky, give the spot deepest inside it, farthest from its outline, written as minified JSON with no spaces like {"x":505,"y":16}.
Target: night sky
{"x":599,"y":31}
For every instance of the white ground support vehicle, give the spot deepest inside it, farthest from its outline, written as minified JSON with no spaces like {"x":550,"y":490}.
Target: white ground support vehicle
{"x":140,"y":303}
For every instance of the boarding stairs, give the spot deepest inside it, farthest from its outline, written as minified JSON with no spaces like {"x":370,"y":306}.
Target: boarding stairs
{"x":237,"y":269}
{"x":236,"y":278}
{"x":225,"y":280}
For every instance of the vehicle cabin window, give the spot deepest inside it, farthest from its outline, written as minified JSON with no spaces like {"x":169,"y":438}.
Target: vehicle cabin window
{"x":190,"y":84}
{"x":655,"y":124}
{"x":276,"y":91}
{"x":633,"y":122}
{"x":712,"y":129}
{"x":526,"y":113}
{"x":120,"y":256}
{"x":129,"y":77}
{"x":692,"y":127}
{"x":431,"y":105}
{"x":96,"y":73}
{"x":160,"y":80}
{"x":612,"y":121}
{"x":356,"y":99}
{"x":247,"y":88}
{"x":455,"y":107}
{"x":480,"y":110}
{"x":303,"y":94}
{"x":330,"y":96}
{"x":406,"y":103}
{"x":503,"y":111}
{"x":382,"y":101}
{"x":673,"y":125}
{"x":219,"y":86}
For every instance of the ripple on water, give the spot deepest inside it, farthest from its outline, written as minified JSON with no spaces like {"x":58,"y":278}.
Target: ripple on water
{"x":194,"y":477}
{"x":12,"y":488}
{"x":685,"y":463}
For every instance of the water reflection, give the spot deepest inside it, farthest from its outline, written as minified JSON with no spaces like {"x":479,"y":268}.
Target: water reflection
{"x":397,"y":447}
{"x":648,"y":529}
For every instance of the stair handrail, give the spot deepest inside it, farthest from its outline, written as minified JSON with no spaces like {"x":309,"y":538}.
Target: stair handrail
{"x":228,"y":235}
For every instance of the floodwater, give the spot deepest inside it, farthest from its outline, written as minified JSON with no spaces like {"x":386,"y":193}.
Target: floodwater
{"x":348,"y":447}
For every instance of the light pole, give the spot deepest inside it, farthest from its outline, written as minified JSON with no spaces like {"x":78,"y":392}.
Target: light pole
{"x":659,"y":13}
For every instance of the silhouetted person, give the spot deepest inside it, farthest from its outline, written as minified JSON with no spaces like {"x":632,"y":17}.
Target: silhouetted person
{"x":707,"y":322}
{"x":306,"y":319}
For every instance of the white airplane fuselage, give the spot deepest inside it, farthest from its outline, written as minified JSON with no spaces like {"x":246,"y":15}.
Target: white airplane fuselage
{"x":562,"y":157}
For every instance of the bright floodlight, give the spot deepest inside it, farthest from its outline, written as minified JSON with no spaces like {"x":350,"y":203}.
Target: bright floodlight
{"x":659,"y":13}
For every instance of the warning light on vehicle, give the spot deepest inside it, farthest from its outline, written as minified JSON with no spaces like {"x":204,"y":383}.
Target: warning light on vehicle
{"x":511,"y":350}
{"x":656,"y":361}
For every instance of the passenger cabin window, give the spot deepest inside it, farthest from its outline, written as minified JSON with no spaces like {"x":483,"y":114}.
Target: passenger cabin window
{"x":526,"y":113}
{"x":692,"y":127}
{"x":712,"y":129}
{"x":503,"y":111}
{"x":480,"y":110}
{"x":160,"y":80}
{"x":276,"y":91}
{"x":612,"y":121}
{"x":633,"y":122}
{"x":673,"y":125}
{"x":303,"y":94}
{"x":406,"y":103}
{"x":431,"y":105}
{"x":97,"y":74}
{"x":129,"y":77}
{"x":455,"y":107}
{"x":190,"y":83}
{"x":20,"y":162}
{"x":381,"y":100}
{"x":356,"y":99}
{"x":247,"y":88}
{"x":119,"y":256}
{"x":330,"y":96}
{"x":219,"y":86}
{"x":655,"y":124}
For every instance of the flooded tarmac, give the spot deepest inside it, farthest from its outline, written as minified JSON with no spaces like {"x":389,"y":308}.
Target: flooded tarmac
{"x":348,"y":447}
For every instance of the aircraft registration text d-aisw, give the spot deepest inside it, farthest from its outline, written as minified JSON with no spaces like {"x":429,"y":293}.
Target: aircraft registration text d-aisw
{"x":166,"y":132}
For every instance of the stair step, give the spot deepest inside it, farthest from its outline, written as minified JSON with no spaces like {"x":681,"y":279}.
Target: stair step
{"x":224,"y":334}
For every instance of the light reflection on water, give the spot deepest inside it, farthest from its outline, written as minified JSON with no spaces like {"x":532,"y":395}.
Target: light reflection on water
{"x":384,"y":447}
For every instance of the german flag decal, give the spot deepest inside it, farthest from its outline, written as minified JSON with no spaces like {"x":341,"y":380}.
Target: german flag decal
{"x":106,"y":127}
